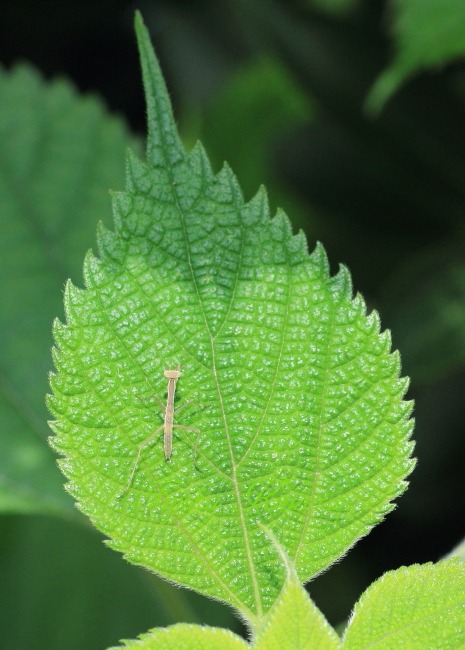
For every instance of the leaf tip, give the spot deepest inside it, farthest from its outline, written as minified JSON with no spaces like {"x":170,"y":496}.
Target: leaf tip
{"x":164,"y":147}
{"x":140,"y":27}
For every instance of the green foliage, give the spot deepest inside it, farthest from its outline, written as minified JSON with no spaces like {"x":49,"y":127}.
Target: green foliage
{"x":187,"y":637}
{"x":294,"y":622}
{"x":421,"y":607}
{"x":418,"y":607}
{"x":428,"y":34}
{"x":380,"y":193}
{"x":60,"y":153}
{"x":298,"y":401}
{"x":48,"y":188}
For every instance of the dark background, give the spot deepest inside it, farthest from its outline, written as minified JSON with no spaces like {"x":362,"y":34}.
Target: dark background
{"x":385,"y":195}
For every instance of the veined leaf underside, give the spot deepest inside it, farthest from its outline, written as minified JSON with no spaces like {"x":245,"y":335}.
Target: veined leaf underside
{"x":297,"y":397}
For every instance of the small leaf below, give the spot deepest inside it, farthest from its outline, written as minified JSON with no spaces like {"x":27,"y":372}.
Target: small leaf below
{"x":421,"y":607}
{"x":294,"y":622}
{"x":186,"y":637}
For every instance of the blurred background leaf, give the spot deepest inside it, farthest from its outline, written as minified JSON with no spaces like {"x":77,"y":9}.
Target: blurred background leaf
{"x":385,"y":195}
{"x":266,"y":106}
{"x":427,"y":34}
{"x":60,"y":153}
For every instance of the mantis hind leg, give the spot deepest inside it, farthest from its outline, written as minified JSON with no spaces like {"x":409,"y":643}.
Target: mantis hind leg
{"x":195,"y":450}
{"x":156,"y":434}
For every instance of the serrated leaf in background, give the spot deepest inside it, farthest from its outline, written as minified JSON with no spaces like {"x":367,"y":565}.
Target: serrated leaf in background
{"x":59,"y":155}
{"x":298,"y":398}
{"x":427,"y":34}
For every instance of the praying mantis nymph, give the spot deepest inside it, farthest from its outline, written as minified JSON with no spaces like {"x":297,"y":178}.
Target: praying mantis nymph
{"x":167,"y":426}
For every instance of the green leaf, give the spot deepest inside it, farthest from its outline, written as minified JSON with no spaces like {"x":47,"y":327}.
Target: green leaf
{"x":297,"y":398}
{"x":187,"y":637}
{"x":294,"y":622}
{"x":60,"y":153}
{"x":427,"y":34}
{"x":418,"y":607}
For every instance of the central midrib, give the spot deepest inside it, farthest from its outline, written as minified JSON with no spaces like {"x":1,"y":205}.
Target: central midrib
{"x":236,"y":487}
